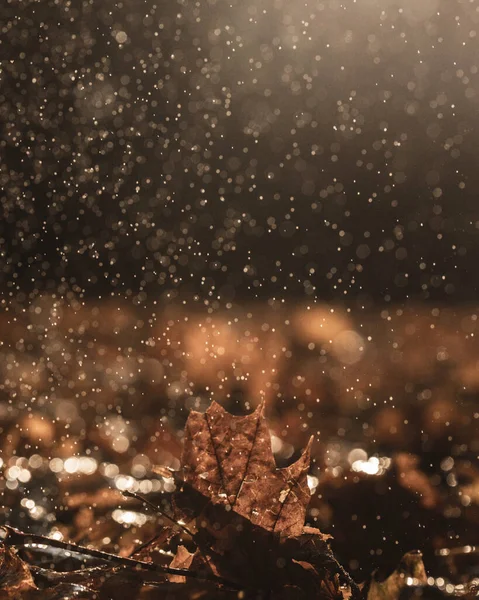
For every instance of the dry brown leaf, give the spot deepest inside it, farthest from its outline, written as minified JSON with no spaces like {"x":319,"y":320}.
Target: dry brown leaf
{"x":229,"y":460}
{"x":15,"y":575}
{"x":249,"y":515}
{"x":182,"y":560}
{"x":410,"y":477}
{"x":410,"y":571}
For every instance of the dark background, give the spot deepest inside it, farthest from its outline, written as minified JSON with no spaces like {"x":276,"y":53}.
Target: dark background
{"x":237,"y":150}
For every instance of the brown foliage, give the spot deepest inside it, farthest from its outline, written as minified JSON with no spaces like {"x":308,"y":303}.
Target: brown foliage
{"x":410,"y":571}
{"x":245,"y":529}
{"x":229,"y":460}
{"x":247,"y":516}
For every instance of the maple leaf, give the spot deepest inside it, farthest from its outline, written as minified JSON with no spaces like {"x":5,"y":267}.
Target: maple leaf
{"x":248,"y":514}
{"x":229,"y":460}
{"x":410,"y":571}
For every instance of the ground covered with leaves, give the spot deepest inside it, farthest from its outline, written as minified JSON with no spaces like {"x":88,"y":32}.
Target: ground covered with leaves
{"x":237,"y":531}
{"x":333,"y":463}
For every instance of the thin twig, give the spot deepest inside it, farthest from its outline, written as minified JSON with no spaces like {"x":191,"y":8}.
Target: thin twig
{"x":356,"y":592}
{"x":157,"y":509}
{"x":56,"y":577}
{"x":144,"y":545}
{"x":14,"y":537}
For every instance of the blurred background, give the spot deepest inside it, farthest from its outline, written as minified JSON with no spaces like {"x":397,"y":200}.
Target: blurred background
{"x":242,"y":201}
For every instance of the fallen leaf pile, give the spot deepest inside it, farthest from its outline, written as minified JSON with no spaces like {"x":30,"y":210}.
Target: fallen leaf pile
{"x":236,"y":530}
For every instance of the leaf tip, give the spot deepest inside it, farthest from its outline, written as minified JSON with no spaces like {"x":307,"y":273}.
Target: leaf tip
{"x":306,"y":453}
{"x":261,"y":408}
